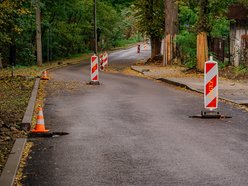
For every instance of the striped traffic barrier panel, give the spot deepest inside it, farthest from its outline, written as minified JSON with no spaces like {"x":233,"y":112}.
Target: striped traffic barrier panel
{"x":105,"y":59}
{"x":211,"y":85}
{"x":211,"y":89}
{"x":94,"y":70}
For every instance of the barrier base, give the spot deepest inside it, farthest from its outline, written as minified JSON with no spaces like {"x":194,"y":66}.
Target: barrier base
{"x":94,"y":83}
{"x":210,"y":114}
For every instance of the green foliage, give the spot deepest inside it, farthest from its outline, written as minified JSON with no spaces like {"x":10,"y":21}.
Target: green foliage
{"x":205,"y":15}
{"x":13,"y":23}
{"x":67,"y":27}
{"x":150,"y":17}
{"x":241,"y":69}
{"x":220,"y":28}
{"x":187,"y":17}
{"x":125,"y":42}
{"x":187,"y":42}
{"x":223,"y":65}
{"x":119,"y":2}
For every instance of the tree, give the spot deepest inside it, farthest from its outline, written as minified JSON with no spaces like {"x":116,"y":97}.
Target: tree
{"x":207,"y":19}
{"x":150,"y":22}
{"x":171,"y":29}
{"x":10,"y":14}
{"x":203,"y":29}
{"x":38,"y":34}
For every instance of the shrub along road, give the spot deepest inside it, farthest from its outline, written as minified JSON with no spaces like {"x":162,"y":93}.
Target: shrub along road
{"x":134,"y":131}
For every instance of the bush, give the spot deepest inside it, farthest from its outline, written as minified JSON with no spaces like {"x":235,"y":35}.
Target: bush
{"x":187,"y":48}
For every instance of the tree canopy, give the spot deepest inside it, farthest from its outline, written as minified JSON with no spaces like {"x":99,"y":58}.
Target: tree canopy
{"x":67,"y":27}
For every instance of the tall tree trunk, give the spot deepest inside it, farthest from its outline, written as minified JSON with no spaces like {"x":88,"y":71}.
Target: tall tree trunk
{"x":202,"y":51}
{"x":38,"y":34}
{"x":203,"y":28}
{"x":155,"y":47}
{"x":171,"y":29}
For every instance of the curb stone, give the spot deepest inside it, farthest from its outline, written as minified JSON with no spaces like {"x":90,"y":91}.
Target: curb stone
{"x":172,"y":82}
{"x":27,"y":119}
{"x":9,"y":172}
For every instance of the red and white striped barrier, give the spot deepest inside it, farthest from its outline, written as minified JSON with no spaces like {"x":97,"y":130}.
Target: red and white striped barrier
{"x":94,"y":69}
{"x":211,"y":85}
{"x":103,"y":60}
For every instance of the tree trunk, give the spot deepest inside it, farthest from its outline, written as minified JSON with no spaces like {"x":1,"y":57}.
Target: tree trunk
{"x":171,"y":29}
{"x":156,"y":47}
{"x":202,"y":51}
{"x":38,"y":34}
{"x":203,"y":28}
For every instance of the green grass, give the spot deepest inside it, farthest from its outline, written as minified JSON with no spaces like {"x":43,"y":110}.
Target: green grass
{"x":241,"y":69}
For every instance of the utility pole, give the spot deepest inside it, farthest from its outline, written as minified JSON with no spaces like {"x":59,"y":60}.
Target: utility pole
{"x":38,"y":34}
{"x":95,"y":28}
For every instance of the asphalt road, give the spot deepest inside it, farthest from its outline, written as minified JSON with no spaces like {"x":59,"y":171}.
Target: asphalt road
{"x":134,"y":131}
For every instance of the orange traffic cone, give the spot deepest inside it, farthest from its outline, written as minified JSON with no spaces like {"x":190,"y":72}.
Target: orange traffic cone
{"x":40,"y":125}
{"x":44,"y":76}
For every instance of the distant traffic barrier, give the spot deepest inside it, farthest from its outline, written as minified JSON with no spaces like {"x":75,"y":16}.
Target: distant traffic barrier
{"x":103,"y":60}
{"x":94,"y":70}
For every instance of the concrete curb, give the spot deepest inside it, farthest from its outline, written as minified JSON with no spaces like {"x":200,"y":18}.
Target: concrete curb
{"x":27,"y":119}
{"x":198,"y":91}
{"x":175,"y":83}
{"x":9,"y":172}
{"x":188,"y":87}
{"x":137,"y":71}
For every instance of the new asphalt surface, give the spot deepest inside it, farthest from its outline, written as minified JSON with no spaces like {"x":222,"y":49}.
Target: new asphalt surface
{"x":134,"y":131}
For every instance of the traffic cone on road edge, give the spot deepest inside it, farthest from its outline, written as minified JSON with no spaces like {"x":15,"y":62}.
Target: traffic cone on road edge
{"x":40,"y":123}
{"x":44,"y":76}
